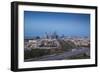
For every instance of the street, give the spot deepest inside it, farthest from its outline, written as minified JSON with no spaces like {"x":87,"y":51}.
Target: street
{"x":61,"y":56}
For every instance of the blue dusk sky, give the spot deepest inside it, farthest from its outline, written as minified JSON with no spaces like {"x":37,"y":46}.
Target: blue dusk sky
{"x":69,"y":24}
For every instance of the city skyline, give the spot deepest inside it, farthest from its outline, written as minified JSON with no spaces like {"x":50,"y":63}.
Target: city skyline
{"x":69,"y":24}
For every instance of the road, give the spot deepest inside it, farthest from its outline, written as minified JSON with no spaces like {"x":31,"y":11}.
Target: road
{"x":62,"y":56}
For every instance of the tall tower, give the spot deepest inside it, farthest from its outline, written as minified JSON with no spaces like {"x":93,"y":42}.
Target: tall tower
{"x":46,"y":35}
{"x":55,"y":35}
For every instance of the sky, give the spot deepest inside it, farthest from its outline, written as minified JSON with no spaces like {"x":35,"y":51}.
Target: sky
{"x":70,"y":24}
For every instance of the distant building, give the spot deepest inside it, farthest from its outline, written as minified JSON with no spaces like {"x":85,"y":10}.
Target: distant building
{"x":51,"y":41}
{"x":51,"y":36}
{"x":43,"y":43}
